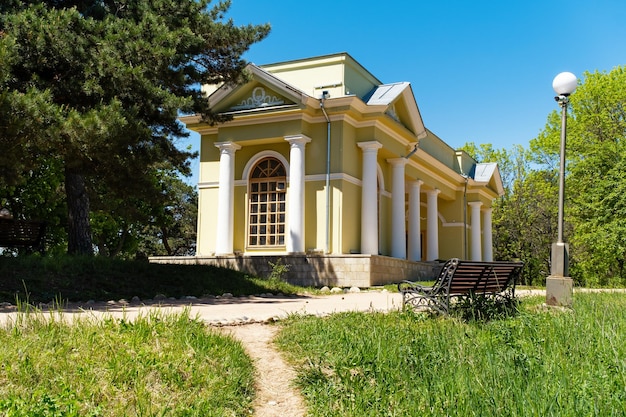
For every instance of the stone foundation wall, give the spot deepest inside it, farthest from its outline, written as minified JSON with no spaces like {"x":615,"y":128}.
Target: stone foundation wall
{"x":319,"y":270}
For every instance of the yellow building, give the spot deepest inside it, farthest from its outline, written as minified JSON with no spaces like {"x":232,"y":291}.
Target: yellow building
{"x":334,"y":172}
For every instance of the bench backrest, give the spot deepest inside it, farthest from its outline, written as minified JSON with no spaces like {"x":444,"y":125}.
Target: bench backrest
{"x":20,"y":232}
{"x":465,"y":277}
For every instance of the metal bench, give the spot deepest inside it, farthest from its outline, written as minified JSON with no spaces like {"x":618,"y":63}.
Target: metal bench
{"x":460,"y":279}
{"x":22,"y":234}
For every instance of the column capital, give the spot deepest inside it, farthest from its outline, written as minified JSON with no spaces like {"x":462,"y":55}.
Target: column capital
{"x":397,"y":161}
{"x":475,"y":203}
{"x":370,"y":146}
{"x":227,"y":146}
{"x":298,"y":139}
{"x":415,"y":184}
{"x":434,"y":191}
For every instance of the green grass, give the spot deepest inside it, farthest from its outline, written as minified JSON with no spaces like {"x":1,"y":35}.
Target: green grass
{"x":156,"y":365}
{"x":43,"y":279}
{"x":537,"y":363}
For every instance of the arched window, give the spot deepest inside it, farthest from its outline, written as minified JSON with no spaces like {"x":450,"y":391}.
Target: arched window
{"x":267,"y":204}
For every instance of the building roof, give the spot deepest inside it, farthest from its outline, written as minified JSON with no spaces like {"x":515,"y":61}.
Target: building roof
{"x":342,"y":81}
{"x":385,"y":94}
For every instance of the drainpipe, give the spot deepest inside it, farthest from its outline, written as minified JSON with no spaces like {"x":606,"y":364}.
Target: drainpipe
{"x":465,"y":217}
{"x":325,"y":95}
{"x":459,"y":158}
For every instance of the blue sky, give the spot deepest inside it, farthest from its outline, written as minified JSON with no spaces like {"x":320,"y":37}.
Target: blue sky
{"x":481,"y":71}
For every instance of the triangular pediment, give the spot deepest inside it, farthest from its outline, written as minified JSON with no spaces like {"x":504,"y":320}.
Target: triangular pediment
{"x":263,"y":91}
{"x":488,"y":173}
{"x":400,"y":105}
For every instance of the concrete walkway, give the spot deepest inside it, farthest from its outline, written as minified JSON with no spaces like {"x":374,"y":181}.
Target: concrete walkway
{"x":223,"y":311}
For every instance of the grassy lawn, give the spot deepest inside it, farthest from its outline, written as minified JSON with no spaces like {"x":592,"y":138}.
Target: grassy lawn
{"x":538,"y":363}
{"x":101,"y":279}
{"x":158,"y":365}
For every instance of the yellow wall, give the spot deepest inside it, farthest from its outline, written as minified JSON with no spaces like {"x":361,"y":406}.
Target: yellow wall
{"x":312,"y":78}
{"x":435,"y":163}
{"x":451,"y":236}
{"x":209,"y":159}
{"x":315,"y":215}
{"x":338,"y":74}
{"x":207,"y":225}
{"x":350,"y":218}
{"x":241,"y":210}
{"x":345,"y":204}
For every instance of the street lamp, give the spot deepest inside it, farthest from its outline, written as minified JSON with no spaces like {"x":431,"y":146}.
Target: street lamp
{"x":559,"y":288}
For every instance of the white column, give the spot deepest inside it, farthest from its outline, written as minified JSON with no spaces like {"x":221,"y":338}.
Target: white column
{"x":487,"y":235}
{"x":432,"y":225}
{"x":295,"y":214}
{"x":226,"y":198}
{"x":415,"y":245}
{"x":398,"y":204}
{"x":369,"y":198}
{"x":475,"y":220}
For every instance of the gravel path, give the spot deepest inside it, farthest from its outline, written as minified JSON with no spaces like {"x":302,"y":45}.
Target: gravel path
{"x":276,"y":395}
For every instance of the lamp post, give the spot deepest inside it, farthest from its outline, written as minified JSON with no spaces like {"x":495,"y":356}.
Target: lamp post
{"x":559,"y":287}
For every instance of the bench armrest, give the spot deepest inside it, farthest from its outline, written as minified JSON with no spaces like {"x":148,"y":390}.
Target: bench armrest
{"x":410,"y":286}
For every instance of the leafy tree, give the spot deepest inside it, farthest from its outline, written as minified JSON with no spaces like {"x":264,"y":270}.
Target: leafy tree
{"x":172,"y":230}
{"x":597,"y":177}
{"x":97,"y":85}
{"x":525,"y":218}
{"x":38,"y":195}
{"x":134,"y":227}
{"x":595,"y":180}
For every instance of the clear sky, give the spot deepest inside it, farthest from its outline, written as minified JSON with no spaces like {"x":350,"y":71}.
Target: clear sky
{"x":481,"y":71}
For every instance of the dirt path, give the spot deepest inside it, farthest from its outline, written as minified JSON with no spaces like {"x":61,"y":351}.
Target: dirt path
{"x":276,"y":395}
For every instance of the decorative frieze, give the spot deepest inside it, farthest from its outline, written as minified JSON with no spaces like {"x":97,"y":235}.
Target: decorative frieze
{"x":258,"y":98}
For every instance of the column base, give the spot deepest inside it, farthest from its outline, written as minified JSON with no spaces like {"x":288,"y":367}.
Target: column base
{"x":559,"y":291}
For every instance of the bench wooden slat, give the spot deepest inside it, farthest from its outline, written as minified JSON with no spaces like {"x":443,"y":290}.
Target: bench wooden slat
{"x":21,"y":233}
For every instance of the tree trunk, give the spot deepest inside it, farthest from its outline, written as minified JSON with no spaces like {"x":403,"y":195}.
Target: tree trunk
{"x":165,"y":239}
{"x":78,"y":230}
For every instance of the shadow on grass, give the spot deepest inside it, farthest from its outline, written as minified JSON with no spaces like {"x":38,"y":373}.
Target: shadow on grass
{"x":71,"y":279}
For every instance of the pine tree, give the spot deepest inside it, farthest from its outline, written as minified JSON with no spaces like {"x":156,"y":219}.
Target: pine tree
{"x":98,"y":86}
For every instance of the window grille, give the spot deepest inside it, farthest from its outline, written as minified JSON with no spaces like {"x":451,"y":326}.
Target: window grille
{"x":266,"y":225}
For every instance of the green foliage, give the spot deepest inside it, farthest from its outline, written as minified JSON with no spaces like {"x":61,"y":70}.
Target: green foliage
{"x":596,"y":173}
{"x":479,"y":307}
{"x":136,"y":227}
{"x":97,"y":87}
{"x":157,"y":364}
{"x":594,"y":187}
{"x":539,"y":362}
{"x":525,"y":218}
{"x":525,"y":222}
{"x":279,"y":269}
